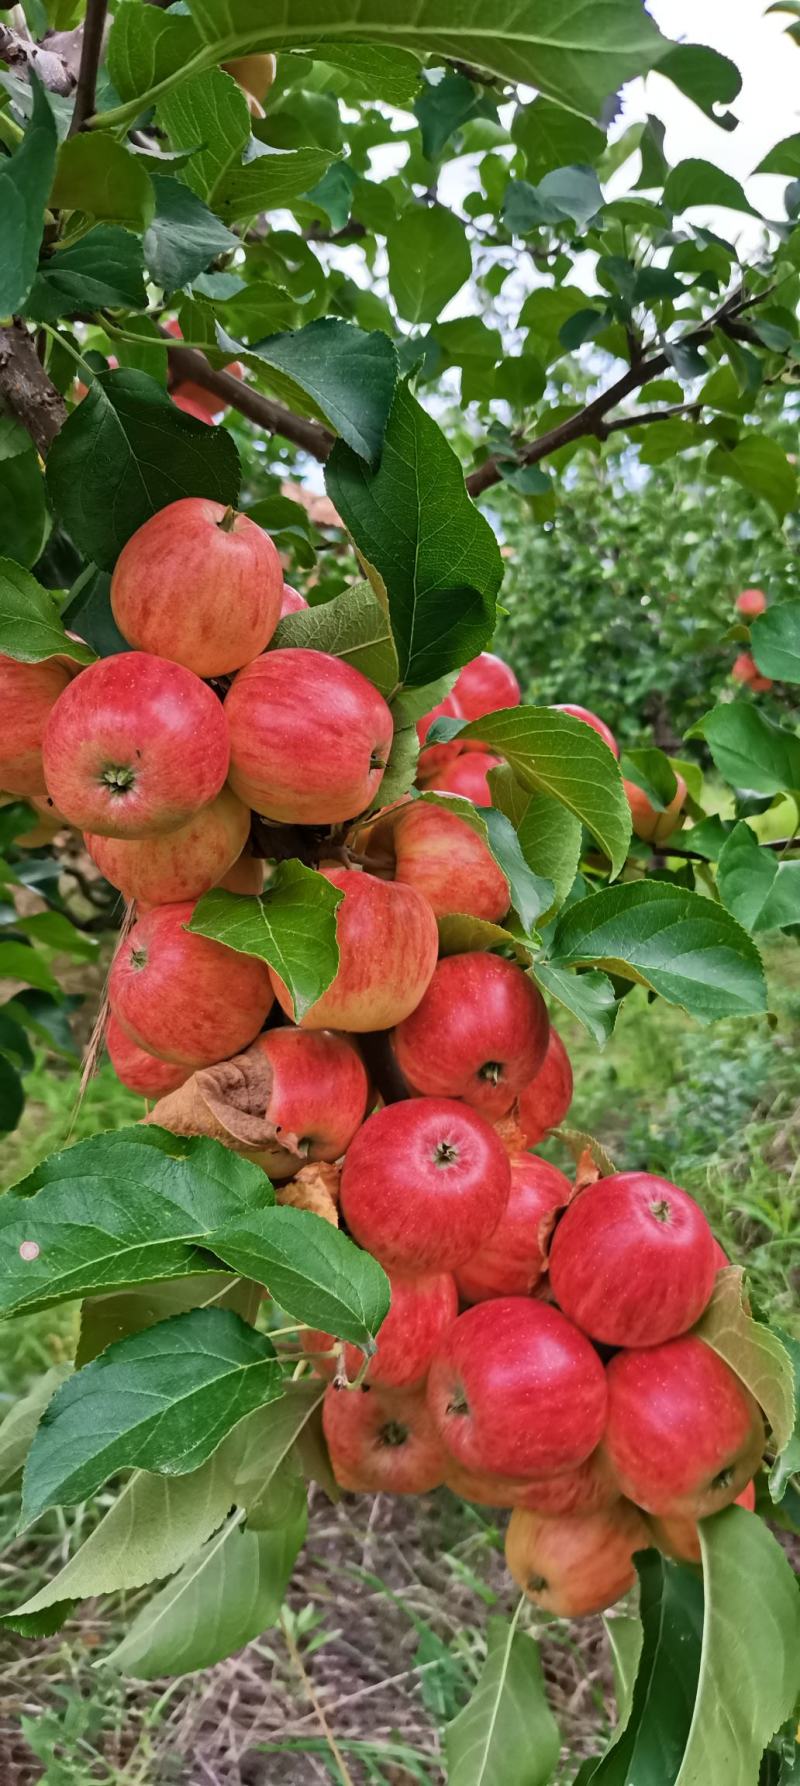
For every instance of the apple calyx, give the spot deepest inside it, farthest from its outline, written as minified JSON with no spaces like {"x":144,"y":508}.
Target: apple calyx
{"x":661,"y":1210}
{"x":445,"y":1153}
{"x":491,"y":1072}
{"x":118,"y":778}
{"x":393,"y":1433}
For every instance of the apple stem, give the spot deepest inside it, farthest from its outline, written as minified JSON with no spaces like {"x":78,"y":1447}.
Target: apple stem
{"x":227,"y":521}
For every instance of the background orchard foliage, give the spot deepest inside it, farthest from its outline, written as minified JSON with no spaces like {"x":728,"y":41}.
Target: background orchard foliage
{"x":617,"y":392}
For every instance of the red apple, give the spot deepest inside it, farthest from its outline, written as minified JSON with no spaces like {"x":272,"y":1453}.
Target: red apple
{"x":424,"y":1183}
{"x":652,"y":826}
{"x":484,"y":1489}
{"x":184,"y":997}
{"x":587,"y":1488}
{"x":468,"y":775}
{"x":28,"y":694}
{"x":721,"y":1259}
{"x":181,"y":865}
{"x":198,"y":584}
{"x":313,"y":1087}
{"x":751,"y":602}
{"x":571,"y":1565}
{"x":292,"y":602}
{"x":485,"y":686}
{"x":545,"y":1100}
{"x":515,"y":1389}
{"x":422,"y":1310}
{"x":745,"y":670}
{"x":388,"y":943}
{"x":590,"y":719}
{"x":135,"y":746}
{"x":190,"y":407}
{"x":684,"y":1435}
{"x":138,"y":1070}
{"x":439,"y":853}
{"x":678,"y":1536}
{"x":310,"y":737}
{"x":632,"y":1260}
{"x":382,"y":1444}
{"x":511,"y":1262}
{"x":479,"y":1033}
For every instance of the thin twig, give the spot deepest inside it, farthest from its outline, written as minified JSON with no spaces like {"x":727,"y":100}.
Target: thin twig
{"x":91,"y":50}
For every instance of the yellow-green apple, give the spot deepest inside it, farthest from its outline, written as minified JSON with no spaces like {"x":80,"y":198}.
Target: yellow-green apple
{"x":679,"y":1536}
{"x":388,"y":944}
{"x":544,"y":1101}
{"x":512,"y":1260}
{"x":515,"y":1389}
{"x":750,"y":603}
{"x":745,"y":670}
{"x":135,"y":746}
{"x":421,"y":1311}
{"x":382,"y":1443}
{"x":653,"y":826}
{"x":479,"y":1033}
{"x":199,"y":584}
{"x":311,"y":1088}
{"x":441,"y":855}
{"x":575,"y":1564}
{"x":310,"y":737}
{"x":468,"y":775}
{"x":292,"y":602}
{"x":182,"y":864}
{"x":632,"y":1260}
{"x":28,"y":694}
{"x":684,"y":1435}
{"x":138,"y":1070}
{"x":183,"y":997}
{"x":597,"y":724}
{"x":424,"y":1183}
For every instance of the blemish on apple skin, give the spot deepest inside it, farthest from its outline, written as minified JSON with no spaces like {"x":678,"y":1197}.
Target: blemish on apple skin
{"x":29,"y":1250}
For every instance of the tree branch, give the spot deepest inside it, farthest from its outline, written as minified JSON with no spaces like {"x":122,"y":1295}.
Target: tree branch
{"x":94,"y":25}
{"x":25,"y":389}
{"x":21,"y":53}
{"x":189,"y":366}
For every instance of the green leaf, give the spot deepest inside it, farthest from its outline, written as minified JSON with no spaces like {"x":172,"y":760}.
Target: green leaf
{"x":651,"y":1746}
{"x":311,"y":1269}
{"x":273,"y":179}
{"x":183,"y":237}
{"x":89,"y":613}
{"x":551,"y":137}
{"x":229,"y":1593}
{"x":429,"y":261}
{"x":126,"y":452}
{"x":759,"y":464}
{"x":651,"y":770}
{"x":355,"y":627}
{"x":749,"y":750}
{"x":388,"y":74}
{"x":415,"y":525}
{"x":751,"y":1643}
{"x":752,"y":1351}
{"x":104,"y":270}
{"x":554,"y":754}
{"x":30,"y":624}
{"x":550,"y":840}
{"x":105,"y":1319}
{"x":696,"y":182}
{"x":783,"y":158}
{"x":121,"y":1209}
{"x":272,"y":1450}
{"x":589,"y":996}
{"x":209,"y":109}
{"x":506,"y":1735}
{"x":160,"y":1400}
{"x":531,"y":894}
{"x":444,"y":107}
{"x":95,"y":173}
{"x":332,"y":370}
{"x":775,"y":638}
{"x":566,"y":195}
{"x":12,"y":1096}
{"x":459,"y":934}
{"x":18,"y":962}
{"x":787,"y":1464}
{"x":153,"y":1528}
{"x":24,"y":520}
{"x":145,"y":47}
{"x":333,"y":194}
{"x":22,"y":1419}
{"x":684,"y":947}
{"x":291,"y":926}
{"x":25,"y":181}
{"x":759,"y":889}
{"x":705,"y":76}
{"x":576,"y":61}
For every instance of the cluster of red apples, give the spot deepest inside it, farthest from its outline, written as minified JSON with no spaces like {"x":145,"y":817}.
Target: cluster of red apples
{"x":537,"y":1353}
{"x":744,"y":669}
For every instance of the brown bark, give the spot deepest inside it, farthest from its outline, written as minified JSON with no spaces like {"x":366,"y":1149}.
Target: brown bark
{"x":25,"y":389}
